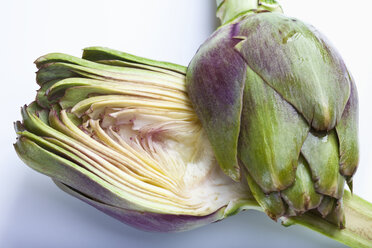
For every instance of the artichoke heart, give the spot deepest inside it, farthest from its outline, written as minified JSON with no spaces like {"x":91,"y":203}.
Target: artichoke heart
{"x":119,"y":130}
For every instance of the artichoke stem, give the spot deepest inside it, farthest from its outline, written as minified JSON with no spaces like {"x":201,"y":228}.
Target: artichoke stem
{"x":358,"y":230}
{"x":229,"y":10}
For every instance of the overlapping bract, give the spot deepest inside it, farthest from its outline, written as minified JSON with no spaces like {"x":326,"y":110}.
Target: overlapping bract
{"x":276,"y":97}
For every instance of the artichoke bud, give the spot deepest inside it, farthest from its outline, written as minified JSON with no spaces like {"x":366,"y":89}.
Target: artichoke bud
{"x":274,"y":96}
{"x":119,"y":132}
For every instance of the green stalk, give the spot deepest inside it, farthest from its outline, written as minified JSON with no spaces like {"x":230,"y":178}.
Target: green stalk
{"x":229,"y":10}
{"x":358,"y":229}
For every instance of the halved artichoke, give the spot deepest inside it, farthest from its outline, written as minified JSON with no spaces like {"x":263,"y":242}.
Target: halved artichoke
{"x":118,"y":131}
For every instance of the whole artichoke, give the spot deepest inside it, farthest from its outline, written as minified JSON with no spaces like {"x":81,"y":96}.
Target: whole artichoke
{"x":275,"y":97}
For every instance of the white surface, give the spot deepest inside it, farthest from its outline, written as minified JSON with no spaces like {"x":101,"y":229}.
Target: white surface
{"x":34,"y":213}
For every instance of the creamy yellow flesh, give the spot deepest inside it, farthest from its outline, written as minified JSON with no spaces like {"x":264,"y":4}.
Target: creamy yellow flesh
{"x":149,"y":145}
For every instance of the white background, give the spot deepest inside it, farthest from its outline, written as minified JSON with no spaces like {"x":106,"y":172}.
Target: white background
{"x":34,"y":213}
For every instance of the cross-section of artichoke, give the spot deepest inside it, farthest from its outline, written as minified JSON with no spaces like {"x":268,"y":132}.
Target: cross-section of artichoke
{"x":119,"y":132}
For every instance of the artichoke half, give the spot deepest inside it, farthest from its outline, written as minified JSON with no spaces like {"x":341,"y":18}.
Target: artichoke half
{"x":119,"y":132}
{"x":277,"y":102}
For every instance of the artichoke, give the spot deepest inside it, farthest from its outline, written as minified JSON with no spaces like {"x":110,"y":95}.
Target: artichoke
{"x":277,"y":102}
{"x":265,"y":117}
{"x":118,"y":131}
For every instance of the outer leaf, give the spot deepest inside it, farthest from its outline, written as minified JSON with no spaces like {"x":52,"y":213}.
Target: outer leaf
{"x":215,"y":82}
{"x":326,"y":206}
{"x":337,"y":216}
{"x":321,"y":152}
{"x":54,"y":72}
{"x":301,"y":196}
{"x":68,"y":172}
{"x":271,"y":136}
{"x":146,"y":220}
{"x":347,"y":132}
{"x":299,"y":64}
{"x":58,"y":66}
{"x":42,"y":98}
{"x":271,"y":203}
{"x":104,"y":53}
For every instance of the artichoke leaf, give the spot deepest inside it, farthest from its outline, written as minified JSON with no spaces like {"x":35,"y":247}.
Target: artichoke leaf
{"x":103,"y":53}
{"x":295,"y":61}
{"x":347,"y":133}
{"x":75,"y":90}
{"x":60,"y":66}
{"x":337,"y":215}
{"x":321,"y":152}
{"x":272,"y":203}
{"x":68,"y":172}
{"x":271,"y":136}
{"x":301,"y":196}
{"x":326,"y":206}
{"x":147,"y":221}
{"x":215,"y":84}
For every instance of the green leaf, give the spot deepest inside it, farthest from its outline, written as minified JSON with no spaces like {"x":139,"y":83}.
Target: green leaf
{"x":59,"y":66}
{"x":271,"y":135}
{"x":321,"y":152}
{"x":347,"y":132}
{"x":271,"y":203}
{"x":301,"y":196}
{"x":54,"y":72}
{"x":326,"y":206}
{"x":337,"y":215}
{"x":139,"y":66}
{"x":68,"y":172}
{"x":103,"y":53}
{"x":296,"y":61}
